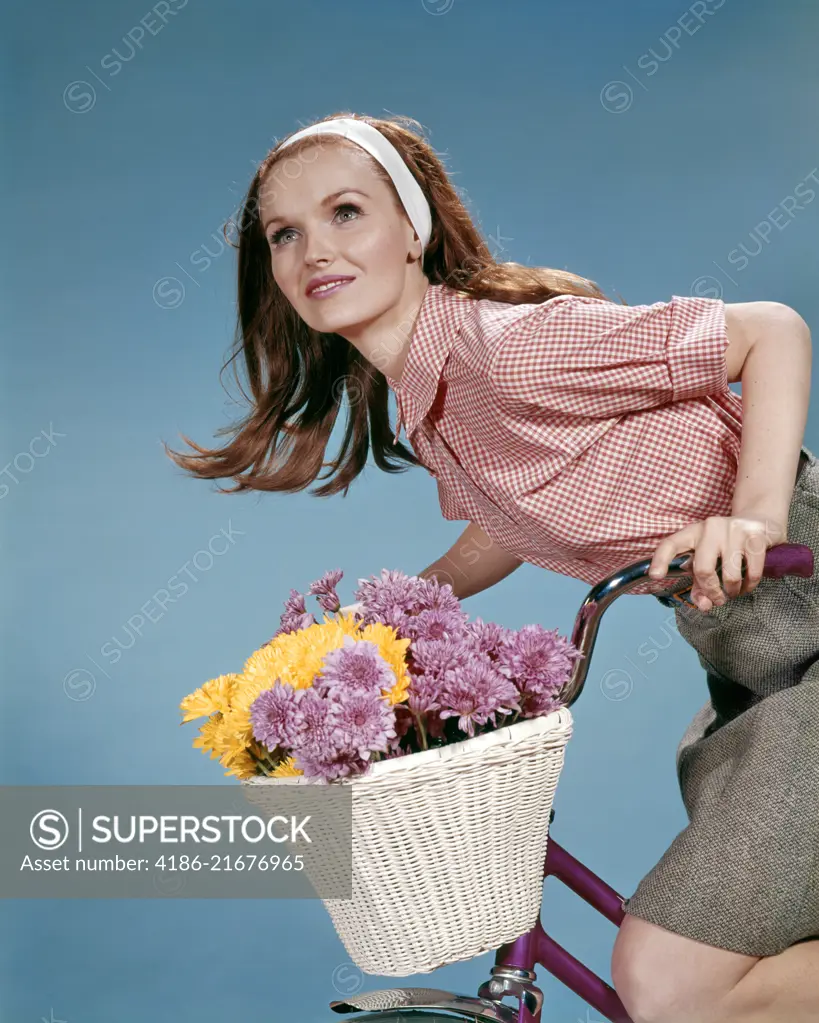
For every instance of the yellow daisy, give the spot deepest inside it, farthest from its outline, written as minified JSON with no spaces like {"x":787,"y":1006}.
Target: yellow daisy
{"x":214,"y":737}
{"x":238,"y":722}
{"x":241,"y":765}
{"x":213,"y":696}
{"x":394,"y":652}
{"x":287,"y":769}
{"x":348,"y":624}
{"x":296,"y":657}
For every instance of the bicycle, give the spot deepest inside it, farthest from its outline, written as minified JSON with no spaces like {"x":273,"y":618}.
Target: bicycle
{"x":513,"y":974}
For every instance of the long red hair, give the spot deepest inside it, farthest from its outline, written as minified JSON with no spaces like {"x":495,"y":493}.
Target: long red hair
{"x":299,"y":377}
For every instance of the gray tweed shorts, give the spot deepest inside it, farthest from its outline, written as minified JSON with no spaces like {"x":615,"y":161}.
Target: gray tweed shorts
{"x":743,"y":874}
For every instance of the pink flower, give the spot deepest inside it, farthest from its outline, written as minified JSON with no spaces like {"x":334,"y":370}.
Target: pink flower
{"x":477,"y":693}
{"x":275,"y":716}
{"x":535,"y":705}
{"x":538,"y":659}
{"x":487,"y":636}
{"x":315,"y":737}
{"x":423,"y":694}
{"x":435,"y":623}
{"x":357,"y":664}
{"x":435,"y":657}
{"x":295,"y":616}
{"x":394,"y":592}
{"x":363,"y":722}
{"x":341,"y":764}
{"x":325,"y":589}
{"x":340,"y":731}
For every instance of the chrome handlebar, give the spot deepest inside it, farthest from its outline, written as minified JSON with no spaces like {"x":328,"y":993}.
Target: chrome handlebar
{"x":781,"y":559}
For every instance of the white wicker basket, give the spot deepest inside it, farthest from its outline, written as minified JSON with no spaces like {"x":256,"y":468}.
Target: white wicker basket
{"x":448,"y":847}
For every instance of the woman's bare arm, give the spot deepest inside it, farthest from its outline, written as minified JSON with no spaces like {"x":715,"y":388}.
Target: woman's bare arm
{"x":473,"y":563}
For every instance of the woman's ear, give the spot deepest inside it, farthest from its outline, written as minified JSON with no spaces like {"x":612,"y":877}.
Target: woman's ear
{"x":416,"y":250}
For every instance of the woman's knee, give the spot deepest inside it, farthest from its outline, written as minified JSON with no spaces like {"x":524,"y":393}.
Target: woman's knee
{"x":633,"y":973}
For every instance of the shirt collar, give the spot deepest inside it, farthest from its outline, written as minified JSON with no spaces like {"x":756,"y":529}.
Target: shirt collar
{"x":439,"y":319}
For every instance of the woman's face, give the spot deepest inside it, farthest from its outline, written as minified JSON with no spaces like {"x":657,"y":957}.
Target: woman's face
{"x":325,"y":213}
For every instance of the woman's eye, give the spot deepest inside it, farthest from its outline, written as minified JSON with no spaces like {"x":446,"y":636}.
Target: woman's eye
{"x":276,"y":239}
{"x":348,"y":206}
{"x":278,"y":235}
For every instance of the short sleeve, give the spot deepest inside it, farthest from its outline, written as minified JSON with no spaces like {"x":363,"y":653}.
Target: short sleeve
{"x":452,"y":507}
{"x":586,"y":356}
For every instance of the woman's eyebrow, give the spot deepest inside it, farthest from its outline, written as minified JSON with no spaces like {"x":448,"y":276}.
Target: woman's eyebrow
{"x":324,"y":202}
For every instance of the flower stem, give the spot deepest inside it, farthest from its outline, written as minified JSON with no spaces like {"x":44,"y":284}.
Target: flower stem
{"x":419,"y":720}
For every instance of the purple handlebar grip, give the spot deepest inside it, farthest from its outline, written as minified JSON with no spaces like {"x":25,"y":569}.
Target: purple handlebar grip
{"x":788,"y":559}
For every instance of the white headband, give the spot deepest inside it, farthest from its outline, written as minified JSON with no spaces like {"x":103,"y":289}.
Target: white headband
{"x":380,"y":147}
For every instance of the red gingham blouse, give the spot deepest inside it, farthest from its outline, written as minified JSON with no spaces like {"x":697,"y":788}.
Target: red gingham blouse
{"x":577,"y":433}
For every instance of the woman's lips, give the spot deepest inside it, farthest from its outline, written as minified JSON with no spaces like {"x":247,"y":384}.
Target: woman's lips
{"x":326,"y":292}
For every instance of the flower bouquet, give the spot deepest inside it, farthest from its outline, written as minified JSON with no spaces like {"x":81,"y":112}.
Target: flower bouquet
{"x":451,"y":734}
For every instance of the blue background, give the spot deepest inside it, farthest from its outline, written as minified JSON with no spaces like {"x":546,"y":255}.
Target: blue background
{"x":122,"y":164}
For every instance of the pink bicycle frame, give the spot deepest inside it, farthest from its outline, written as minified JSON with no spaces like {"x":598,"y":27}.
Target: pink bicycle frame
{"x":514,"y":962}
{"x":536,"y":947}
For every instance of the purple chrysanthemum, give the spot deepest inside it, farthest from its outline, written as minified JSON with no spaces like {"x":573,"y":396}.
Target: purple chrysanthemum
{"x":294,"y":617}
{"x":275,"y":716}
{"x":392,"y":615}
{"x":356,"y":665}
{"x":535,"y":705}
{"x":475,"y":672}
{"x":435,"y":596}
{"x":416,"y":608}
{"x":294,"y":603}
{"x":315,"y":737}
{"x":363,"y":722}
{"x":294,"y":623}
{"x":477,"y":693}
{"x":337,"y":735}
{"x":488,"y":636}
{"x":538,"y":659}
{"x":435,"y":657}
{"x":341,"y":764}
{"x":436,"y":623}
{"x":325,"y":590}
{"x":393,"y":591}
{"x":423,"y":694}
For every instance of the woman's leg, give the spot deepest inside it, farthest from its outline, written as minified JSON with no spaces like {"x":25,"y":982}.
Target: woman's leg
{"x":662,"y":977}
{"x":780,"y":987}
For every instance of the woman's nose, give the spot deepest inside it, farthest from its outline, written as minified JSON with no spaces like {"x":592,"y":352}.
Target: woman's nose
{"x":317,"y":249}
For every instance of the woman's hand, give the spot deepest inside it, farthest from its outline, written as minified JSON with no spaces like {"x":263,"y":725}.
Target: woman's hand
{"x":729,"y":538}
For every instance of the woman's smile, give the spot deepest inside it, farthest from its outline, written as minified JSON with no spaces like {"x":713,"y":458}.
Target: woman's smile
{"x":325,"y":290}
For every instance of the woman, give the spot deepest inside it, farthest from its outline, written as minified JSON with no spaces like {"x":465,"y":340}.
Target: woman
{"x":581,"y":435}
